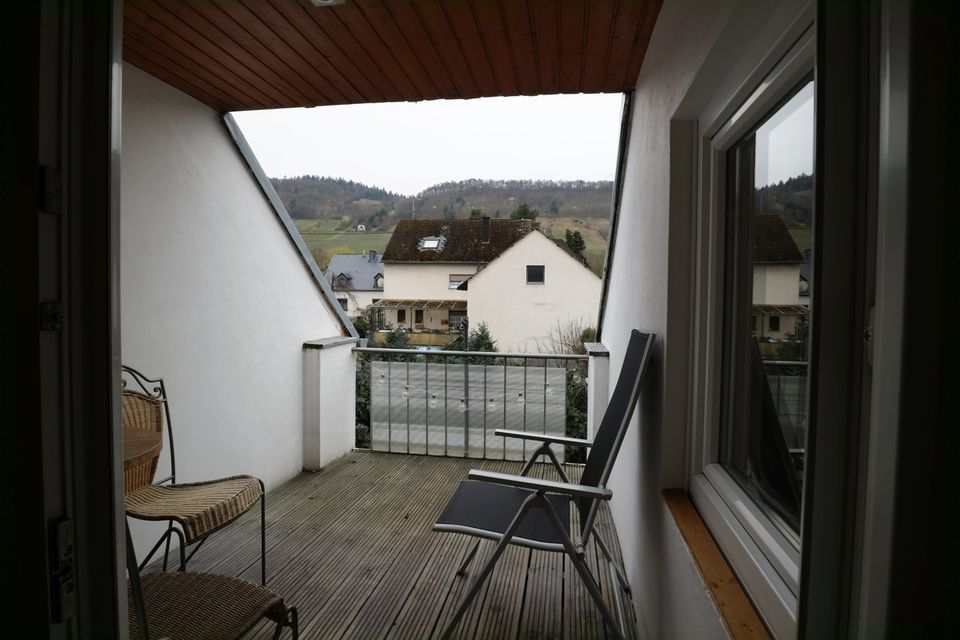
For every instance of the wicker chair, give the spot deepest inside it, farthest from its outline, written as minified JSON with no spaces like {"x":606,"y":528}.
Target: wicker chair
{"x":193,"y":510}
{"x":190,"y":606}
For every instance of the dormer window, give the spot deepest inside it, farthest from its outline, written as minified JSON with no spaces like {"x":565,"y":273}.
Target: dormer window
{"x":431,"y":243}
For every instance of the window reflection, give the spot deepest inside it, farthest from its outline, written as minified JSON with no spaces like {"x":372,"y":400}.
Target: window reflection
{"x":768,"y":290}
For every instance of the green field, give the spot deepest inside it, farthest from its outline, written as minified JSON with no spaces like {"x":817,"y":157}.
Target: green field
{"x":325,"y":241}
{"x":803,"y":237}
{"x":593,"y":230}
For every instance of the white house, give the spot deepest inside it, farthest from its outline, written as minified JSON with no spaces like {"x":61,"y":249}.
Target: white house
{"x":530,"y":289}
{"x":503,"y":273}
{"x":777,"y":304}
{"x":356,"y":279}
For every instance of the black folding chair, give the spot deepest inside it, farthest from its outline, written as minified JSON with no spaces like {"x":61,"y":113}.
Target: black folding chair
{"x":536,"y":513}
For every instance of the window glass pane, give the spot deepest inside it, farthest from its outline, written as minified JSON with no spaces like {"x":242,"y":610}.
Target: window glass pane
{"x":535,"y":274}
{"x":767,"y":297}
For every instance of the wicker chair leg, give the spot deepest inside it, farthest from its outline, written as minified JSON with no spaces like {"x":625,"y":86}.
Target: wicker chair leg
{"x":290,"y":619}
{"x":166,"y":546}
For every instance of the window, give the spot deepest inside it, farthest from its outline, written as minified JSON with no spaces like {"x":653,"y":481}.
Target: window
{"x":457,"y":279}
{"x":418,"y":316}
{"x":378,"y":282}
{"x":535,"y":274}
{"x":401,"y":315}
{"x":343,"y":303}
{"x":769,"y":177}
{"x":748,"y":384}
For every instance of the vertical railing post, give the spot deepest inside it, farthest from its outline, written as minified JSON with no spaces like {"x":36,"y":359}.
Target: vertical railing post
{"x":466,"y":402}
{"x":598,"y":385}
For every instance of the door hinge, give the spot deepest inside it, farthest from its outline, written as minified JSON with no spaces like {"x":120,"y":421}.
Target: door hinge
{"x":62,"y":582}
{"x":868,"y":337}
{"x":51,"y":316}
{"x":50,"y":189}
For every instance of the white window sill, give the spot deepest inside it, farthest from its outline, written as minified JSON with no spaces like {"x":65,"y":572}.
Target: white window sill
{"x":766,"y":563}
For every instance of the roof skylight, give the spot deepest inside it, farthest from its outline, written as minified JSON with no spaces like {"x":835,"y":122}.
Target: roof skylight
{"x":431,"y":243}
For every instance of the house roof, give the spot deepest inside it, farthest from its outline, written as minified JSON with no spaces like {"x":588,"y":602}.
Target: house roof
{"x":772,"y":242}
{"x":361,"y":268}
{"x":272,"y":54}
{"x":463,"y":240}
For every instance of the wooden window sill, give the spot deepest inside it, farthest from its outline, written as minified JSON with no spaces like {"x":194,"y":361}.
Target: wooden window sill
{"x":736,"y":610}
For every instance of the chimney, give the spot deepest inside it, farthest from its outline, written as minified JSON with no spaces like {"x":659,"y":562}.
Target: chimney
{"x":485,"y":229}
{"x":372,"y":255}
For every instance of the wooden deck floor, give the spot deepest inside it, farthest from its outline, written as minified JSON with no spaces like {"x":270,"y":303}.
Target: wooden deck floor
{"x":351,"y":547}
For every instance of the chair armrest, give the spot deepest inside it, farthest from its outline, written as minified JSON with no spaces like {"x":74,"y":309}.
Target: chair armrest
{"x":543,"y":437}
{"x":536,"y":484}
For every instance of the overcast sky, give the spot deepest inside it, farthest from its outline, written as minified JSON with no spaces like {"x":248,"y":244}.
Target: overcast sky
{"x":785,"y":141}
{"x":407,"y":147}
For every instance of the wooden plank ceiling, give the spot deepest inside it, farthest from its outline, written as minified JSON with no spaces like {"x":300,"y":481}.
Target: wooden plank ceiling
{"x":264,"y":54}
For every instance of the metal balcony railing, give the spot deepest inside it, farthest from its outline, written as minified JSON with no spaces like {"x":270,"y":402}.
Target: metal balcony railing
{"x":789,"y":386}
{"x":449,"y":403}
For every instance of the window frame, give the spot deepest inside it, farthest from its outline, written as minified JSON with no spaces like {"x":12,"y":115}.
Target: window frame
{"x":454,"y":280}
{"x":543,"y":279}
{"x":765,"y":556}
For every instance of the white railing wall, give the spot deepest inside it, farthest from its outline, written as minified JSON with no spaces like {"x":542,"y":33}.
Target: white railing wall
{"x":329,"y":399}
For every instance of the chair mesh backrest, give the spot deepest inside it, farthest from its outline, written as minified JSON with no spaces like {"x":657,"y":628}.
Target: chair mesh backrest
{"x":140,"y":411}
{"x":606,"y":444}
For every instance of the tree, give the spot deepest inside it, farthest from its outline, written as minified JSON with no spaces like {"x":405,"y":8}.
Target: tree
{"x":397,"y":339}
{"x":476,"y":214}
{"x":575,"y":241}
{"x":481,"y":340}
{"x":554,"y":208}
{"x":363,"y":322}
{"x":524,"y":212}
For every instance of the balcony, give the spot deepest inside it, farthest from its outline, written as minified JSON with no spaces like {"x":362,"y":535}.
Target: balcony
{"x":352,"y":548}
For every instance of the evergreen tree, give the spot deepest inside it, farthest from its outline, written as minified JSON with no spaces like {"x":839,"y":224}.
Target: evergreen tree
{"x":524,"y":212}
{"x":575,"y":241}
{"x":481,"y":340}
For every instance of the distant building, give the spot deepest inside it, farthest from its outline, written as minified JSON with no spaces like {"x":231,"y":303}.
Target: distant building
{"x":356,"y":279}
{"x":361,"y":227}
{"x":779,"y":304}
{"x":500,"y":272}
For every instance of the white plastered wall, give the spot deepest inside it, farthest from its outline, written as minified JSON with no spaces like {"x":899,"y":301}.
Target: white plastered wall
{"x":215,"y":298}
{"x":520,"y":316}
{"x":357,"y":300}
{"x":776,"y":284}
{"x":413,"y":281}
{"x":669,"y":595}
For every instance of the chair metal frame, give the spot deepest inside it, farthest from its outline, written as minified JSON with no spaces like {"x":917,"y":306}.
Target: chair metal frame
{"x":156,"y":390}
{"x":539,"y":489}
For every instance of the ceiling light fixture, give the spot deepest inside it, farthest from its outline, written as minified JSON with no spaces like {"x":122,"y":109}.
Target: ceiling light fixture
{"x":327,"y":3}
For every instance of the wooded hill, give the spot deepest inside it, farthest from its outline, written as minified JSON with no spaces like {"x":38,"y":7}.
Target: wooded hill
{"x":347,"y":203}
